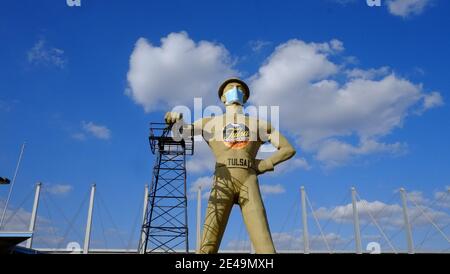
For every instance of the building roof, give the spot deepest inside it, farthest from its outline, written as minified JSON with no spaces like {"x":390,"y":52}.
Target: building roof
{"x":9,"y":239}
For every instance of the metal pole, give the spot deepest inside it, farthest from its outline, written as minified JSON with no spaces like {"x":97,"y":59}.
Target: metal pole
{"x":144,"y":212}
{"x":34,"y":214}
{"x":12,"y":186}
{"x":87,"y":236}
{"x":185,"y":203}
{"x":409,"y":237}
{"x":356,"y":223}
{"x":199,"y":218}
{"x":304,"y":220}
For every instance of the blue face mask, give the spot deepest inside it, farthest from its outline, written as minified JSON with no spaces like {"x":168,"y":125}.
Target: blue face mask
{"x":234,"y":95}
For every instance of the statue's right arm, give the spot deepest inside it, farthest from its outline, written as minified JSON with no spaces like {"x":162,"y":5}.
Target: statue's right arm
{"x":199,"y":125}
{"x":176,"y":117}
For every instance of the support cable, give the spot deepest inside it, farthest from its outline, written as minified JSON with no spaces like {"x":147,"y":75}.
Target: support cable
{"x":283,"y":225}
{"x":134,"y":225}
{"x":296,"y":214}
{"x":413,"y":219}
{"x":111,"y":218}
{"x":317,"y":223}
{"x":427,"y":235}
{"x":430,"y":220}
{"x":335,"y":211}
{"x":377,"y":225}
{"x":48,"y":197}
{"x":72,"y":221}
{"x":100,"y":215}
{"x":341,"y":221}
{"x":52,"y":222}
{"x":11,"y":216}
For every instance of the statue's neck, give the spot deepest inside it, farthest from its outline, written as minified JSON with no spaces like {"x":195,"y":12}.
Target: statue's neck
{"x":234,"y":109}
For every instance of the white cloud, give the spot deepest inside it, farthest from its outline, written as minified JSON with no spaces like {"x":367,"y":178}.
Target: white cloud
{"x":205,"y":183}
{"x":16,"y":219}
{"x":335,"y":45}
{"x":350,"y":60}
{"x":432,"y":100}
{"x":42,"y":54}
{"x":58,"y":189}
{"x":258,"y":45}
{"x":292,"y":241}
{"x":443,"y":198}
{"x":292,"y":164}
{"x":176,"y":71}
{"x":202,"y":161}
{"x":406,"y":8}
{"x":79,"y":136}
{"x":98,"y":131}
{"x":271,"y":189}
{"x":417,"y":197}
{"x":320,"y":112}
{"x":389,"y":216}
{"x":368,"y":74}
{"x":335,"y":153}
{"x":239,"y":245}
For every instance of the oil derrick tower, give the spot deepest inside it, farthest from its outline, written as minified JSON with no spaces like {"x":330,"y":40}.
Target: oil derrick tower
{"x":164,"y":228}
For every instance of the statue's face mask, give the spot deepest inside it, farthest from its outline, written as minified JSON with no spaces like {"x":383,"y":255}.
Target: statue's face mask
{"x":235,"y":95}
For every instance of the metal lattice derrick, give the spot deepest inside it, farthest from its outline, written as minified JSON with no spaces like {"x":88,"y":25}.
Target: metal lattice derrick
{"x":165,"y":225}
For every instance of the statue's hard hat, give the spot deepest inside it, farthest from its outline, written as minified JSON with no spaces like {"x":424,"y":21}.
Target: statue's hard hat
{"x":235,"y":80}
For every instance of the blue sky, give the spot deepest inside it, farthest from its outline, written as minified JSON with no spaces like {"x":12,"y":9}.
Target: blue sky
{"x":70,"y":88}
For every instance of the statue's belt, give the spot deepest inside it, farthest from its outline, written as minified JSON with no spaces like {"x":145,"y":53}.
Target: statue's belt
{"x":236,"y":162}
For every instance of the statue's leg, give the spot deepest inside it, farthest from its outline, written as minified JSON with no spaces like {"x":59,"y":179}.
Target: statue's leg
{"x":220,"y":203}
{"x":254,"y":215}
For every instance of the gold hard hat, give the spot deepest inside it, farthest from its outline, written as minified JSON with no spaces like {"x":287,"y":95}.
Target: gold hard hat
{"x":235,"y":80}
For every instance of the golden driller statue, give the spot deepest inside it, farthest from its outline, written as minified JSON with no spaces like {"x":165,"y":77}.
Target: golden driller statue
{"x":235,"y":139}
